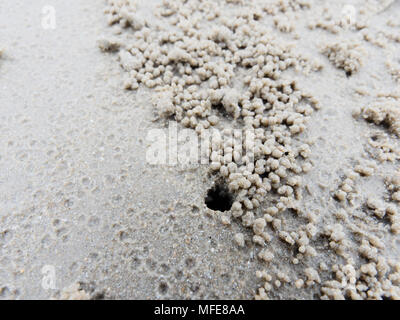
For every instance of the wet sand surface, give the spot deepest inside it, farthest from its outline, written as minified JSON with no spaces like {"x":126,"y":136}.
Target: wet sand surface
{"x":84,"y":215}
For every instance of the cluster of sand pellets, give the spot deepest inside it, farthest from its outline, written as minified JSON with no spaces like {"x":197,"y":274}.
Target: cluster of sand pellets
{"x":213,"y":64}
{"x":394,"y":68}
{"x":335,"y":21}
{"x":386,"y":114}
{"x":345,"y":55}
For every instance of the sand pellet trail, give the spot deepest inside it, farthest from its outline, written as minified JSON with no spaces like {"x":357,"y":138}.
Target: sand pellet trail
{"x":293,"y":188}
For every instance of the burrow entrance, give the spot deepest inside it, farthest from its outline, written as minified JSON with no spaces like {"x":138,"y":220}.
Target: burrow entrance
{"x":219,"y":198}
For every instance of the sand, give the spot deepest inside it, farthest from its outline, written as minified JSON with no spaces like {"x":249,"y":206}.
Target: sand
{"x":84,"y":215}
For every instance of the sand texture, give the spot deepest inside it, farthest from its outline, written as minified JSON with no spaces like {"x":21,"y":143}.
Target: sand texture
{"x":292,"y":189}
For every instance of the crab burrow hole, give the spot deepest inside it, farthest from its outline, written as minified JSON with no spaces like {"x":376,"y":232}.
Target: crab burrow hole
{"x":219,"y":198}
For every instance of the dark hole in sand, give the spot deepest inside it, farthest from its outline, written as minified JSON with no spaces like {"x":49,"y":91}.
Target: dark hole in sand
{"x":220,"y":109}
{"x":219,"y":198}
{"x":163,"y":287}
